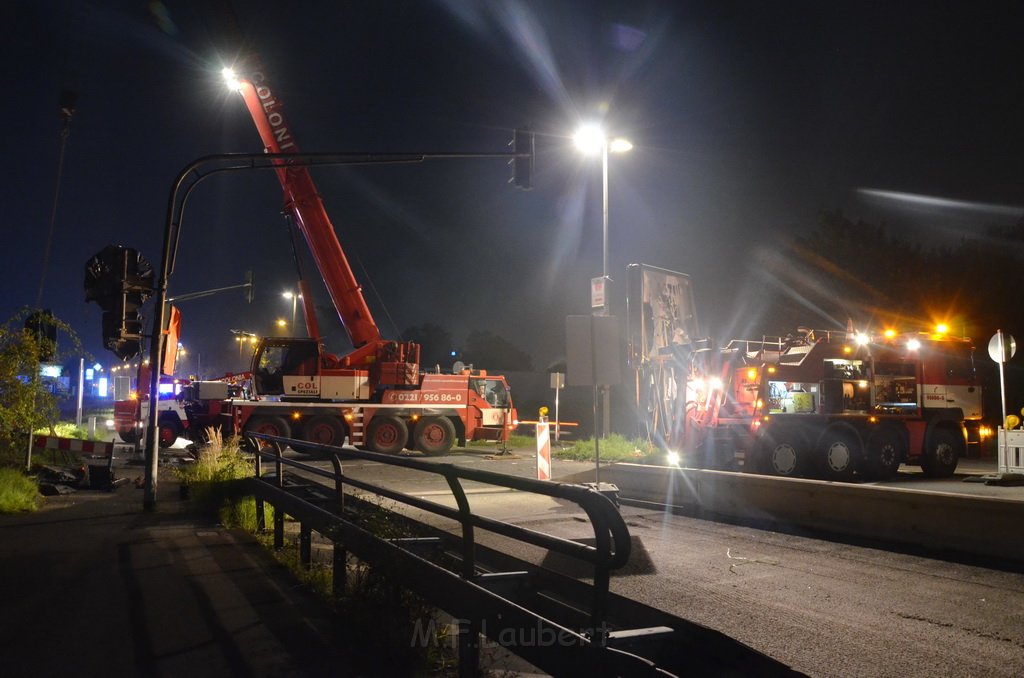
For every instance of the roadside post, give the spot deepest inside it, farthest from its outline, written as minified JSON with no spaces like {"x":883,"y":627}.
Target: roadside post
{"x":1002,"y":347}
{"x":1009,"y":444}
{"x":557,"y":383}
{"x":543,"y":446}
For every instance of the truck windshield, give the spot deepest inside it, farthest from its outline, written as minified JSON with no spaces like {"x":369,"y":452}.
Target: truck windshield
{"x":493,"y":391}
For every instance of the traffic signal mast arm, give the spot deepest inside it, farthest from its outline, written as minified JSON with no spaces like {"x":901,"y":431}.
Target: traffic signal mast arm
{"x":303,"y":201}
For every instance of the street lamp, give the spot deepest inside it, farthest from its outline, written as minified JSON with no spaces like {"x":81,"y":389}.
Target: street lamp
{"x":294,"y":298}
{"x":591,"y":140}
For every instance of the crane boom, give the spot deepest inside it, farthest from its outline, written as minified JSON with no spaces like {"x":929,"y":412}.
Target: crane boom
{"x":303,"y":201}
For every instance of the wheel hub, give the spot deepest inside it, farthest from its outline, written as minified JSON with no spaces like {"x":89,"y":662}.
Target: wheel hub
{"x":838,"y":456}
{"x":784,"y":459}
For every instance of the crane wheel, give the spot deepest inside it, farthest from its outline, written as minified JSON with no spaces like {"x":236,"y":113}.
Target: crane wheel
{"x":387,"y":434}
{"x":434,"y":435}
{"x":324,"y":429}
{"x":270,"y":425}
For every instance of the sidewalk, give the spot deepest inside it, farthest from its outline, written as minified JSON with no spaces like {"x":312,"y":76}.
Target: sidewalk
{"x":94,"y":586}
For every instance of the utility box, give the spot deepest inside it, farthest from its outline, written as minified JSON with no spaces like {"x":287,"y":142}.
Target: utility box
{"x":210,"y":390}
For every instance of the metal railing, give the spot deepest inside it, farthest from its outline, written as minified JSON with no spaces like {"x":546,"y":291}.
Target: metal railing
{"x":470,"y":590}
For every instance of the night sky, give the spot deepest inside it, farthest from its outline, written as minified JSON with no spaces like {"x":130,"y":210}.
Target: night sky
{"x":748,"y":120}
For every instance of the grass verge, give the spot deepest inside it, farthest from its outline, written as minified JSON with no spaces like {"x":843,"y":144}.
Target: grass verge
{"x":613,"y":448}
{"x":18,"y":492}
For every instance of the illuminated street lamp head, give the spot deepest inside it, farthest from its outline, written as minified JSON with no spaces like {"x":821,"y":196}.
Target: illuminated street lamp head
{"x":234,"y":84}
{"x":589,"y":139}
{"x":287,"y":295}
{"x":282,"y":322}
{"x":620,"y":145}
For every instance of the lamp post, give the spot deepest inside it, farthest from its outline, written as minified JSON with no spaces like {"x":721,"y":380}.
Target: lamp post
{"x":591,"y":140}
{"x":295,"y":298}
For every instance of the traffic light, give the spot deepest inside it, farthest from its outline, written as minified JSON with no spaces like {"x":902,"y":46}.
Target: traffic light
{"x":119,"y":279}
{"x":522,"y":166}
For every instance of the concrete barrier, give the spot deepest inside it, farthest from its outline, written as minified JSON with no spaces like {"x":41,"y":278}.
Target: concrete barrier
{"x":985,"y":526}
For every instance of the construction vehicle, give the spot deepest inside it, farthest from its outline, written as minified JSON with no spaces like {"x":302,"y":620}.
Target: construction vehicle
{"x":825,"y":404}
{"x":130,"y":412}
{"x":375,"y":395}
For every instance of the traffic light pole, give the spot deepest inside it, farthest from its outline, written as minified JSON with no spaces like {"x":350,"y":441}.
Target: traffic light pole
{"x":194,"y":173}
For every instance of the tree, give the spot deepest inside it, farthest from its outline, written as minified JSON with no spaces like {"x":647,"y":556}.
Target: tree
{"x":486,"y":350}
{"x":25,"y":402}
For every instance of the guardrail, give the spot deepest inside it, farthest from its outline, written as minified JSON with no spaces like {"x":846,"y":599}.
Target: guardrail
{"x":561,"y":624}
{"x":611,"y":551}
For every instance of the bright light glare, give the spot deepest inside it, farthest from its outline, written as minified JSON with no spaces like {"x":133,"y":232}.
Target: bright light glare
{"x":890,"y":333}
{"x":287,"y":295}
{"x":589,"y":139}
{"x":715,"y":383}
{"x":620,"y":145}
{"x":672,"y":458}
{"x":942,"y":328}
{"x":231,"y":79}
{"x":862,"y":339}
{"x":913,"y":344}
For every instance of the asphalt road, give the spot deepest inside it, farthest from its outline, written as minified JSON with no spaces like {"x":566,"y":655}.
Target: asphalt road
{"x":824,"y":608}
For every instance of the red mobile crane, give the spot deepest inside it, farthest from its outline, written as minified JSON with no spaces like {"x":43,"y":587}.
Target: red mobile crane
{"x":375,"y":395}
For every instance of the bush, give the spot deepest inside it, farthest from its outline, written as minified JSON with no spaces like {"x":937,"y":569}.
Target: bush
{"x":217,"y":463}
{"x":241,"y":513}
{"x":26,"y":401}
{"x":18,"y":492}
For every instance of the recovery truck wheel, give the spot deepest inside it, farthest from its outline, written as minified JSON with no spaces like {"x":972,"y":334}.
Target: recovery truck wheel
{"x":128,"y":436}
{"x":943,"y":450}
{"x":885,"y":449}
{"x":387,"y":434}
{"x":324,"y":429}
{"x":841,"y":452}
{"x":434,"y":435}
{"x":268,"y":424}
{"x":168,"y":432}
{"x":782,"y":452}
